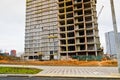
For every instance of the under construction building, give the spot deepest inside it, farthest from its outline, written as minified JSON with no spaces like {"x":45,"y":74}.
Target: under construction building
{"x":78,"y":28}
{"x":63,"y":28}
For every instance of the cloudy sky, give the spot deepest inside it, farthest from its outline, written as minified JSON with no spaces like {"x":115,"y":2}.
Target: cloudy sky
{"x":12,"y":22}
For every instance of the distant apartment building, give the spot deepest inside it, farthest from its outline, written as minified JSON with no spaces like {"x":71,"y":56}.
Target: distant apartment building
{"x":61,"y":27}
{"x":110,"y":42}
{"x":13,"y":53}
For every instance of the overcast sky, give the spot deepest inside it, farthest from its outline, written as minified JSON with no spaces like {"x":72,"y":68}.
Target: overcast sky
{"x":12,"y":22}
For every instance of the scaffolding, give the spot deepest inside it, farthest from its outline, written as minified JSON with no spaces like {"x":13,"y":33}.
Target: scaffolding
{"x":41,"y":28}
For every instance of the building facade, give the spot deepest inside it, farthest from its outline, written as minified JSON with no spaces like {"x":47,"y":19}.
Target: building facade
{"x":41,"y":29}
{"x":61,"y":27}
{"x":110,"y":42}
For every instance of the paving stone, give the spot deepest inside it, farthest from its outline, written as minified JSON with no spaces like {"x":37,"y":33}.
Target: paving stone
{"x":80,"y":70}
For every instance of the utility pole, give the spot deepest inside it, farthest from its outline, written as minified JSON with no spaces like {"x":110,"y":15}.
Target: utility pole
{"x":115,"y":33}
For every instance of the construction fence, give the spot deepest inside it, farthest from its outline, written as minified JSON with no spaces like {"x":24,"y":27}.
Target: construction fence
{"x":88,"y":58}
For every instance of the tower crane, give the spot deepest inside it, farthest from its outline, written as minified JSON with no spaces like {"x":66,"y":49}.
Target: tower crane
{"x":100,"y":11}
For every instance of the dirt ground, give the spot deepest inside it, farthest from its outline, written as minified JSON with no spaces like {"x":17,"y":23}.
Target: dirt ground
{"x":72,"y":62}
{"x":63,"y":63}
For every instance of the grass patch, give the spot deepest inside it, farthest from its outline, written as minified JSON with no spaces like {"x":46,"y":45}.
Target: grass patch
{"x":18,"y":70}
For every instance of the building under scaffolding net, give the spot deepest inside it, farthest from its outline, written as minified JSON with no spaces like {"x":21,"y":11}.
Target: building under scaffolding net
{"x":41,"y":29}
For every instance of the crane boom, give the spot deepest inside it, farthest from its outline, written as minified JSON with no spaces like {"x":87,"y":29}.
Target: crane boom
{"x":100,"y":11}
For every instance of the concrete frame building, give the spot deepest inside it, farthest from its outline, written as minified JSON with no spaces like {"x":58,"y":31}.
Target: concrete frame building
{"x":110,"y":43}
{"x":41,"y":29}
{"x":65,"y":27}
{"x":78,"y":28}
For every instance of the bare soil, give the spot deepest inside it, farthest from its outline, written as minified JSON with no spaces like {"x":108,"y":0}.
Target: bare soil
{"x":106,"y":63}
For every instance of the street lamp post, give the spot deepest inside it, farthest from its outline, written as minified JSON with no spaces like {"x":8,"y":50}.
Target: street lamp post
{"x":115,"y":33}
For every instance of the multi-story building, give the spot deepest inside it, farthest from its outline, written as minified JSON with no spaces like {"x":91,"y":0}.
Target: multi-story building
{"x":13,"y":53}
{"x":41,"y":29}
{"x":110,"y":43}
{"x":66,"y":27}
{"x":78,"y":28}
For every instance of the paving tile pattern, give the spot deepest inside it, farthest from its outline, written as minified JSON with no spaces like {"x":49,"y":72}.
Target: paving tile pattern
{"x":79,"y":70}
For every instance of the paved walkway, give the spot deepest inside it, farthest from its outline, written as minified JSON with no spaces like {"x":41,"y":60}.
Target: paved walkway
{"x":79,"y":71}
{"x":74,"y":71}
